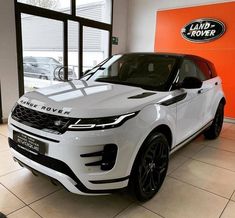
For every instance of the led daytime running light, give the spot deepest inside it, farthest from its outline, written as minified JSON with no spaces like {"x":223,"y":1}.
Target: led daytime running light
{"x":100,"y":126}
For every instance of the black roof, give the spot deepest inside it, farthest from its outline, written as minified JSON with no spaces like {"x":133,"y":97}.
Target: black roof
{"x":190,"y":56}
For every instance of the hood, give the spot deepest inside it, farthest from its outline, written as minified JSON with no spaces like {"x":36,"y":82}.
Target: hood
{"x":85,"y":99}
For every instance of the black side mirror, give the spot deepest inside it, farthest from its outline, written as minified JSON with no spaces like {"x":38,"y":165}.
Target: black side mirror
{"x":191,"y":83}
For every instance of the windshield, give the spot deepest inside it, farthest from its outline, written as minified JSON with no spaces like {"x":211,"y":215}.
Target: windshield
{"x":149,"y":71}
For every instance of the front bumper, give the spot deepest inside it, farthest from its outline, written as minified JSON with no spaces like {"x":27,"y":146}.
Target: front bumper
{"x":63,"y":161}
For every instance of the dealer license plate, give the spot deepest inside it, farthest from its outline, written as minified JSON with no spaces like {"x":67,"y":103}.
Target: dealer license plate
{"x":30,"y":144}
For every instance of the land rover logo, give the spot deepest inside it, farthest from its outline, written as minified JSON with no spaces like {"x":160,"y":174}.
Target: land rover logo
{"x":203,"y":30}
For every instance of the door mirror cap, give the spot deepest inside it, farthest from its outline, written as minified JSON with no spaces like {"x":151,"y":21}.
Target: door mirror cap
{"x":191,"y":83}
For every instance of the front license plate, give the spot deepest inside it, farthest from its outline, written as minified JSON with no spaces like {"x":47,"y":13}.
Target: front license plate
{"x":28,"y":143}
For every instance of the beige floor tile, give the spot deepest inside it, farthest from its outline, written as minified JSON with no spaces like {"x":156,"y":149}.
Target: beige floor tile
{"x":4,"y":129}
{"x":191,"y":149}
{"x":7,"y":164}
{"x":64,"y":204}
{"x":8,"y":202}
{"x":176,"y":160}
{"x":28,"y":187}
{"x":217,"y":157}
{"x":229,"y":211}
{"x":227,"y":125}
{"x":25,"y":212}
{"x":208,"y":177}
{"x":228,"y":133}
{"x":178,"y":200}
{"x":232,"y":126}
{"x":233,"y":197}
{"x":136,"y":211}
{"x":223,"y":144}
{"x":3,"y":143}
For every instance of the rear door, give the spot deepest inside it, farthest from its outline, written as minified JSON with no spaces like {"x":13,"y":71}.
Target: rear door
{"x":190,"y":111}
{"x":207,"y":90}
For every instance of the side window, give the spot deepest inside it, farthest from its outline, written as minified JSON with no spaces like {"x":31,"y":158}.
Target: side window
{"x":190,"y":69}
{"x":204,"y":69}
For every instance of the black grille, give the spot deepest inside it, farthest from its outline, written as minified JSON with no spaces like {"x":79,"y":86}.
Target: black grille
{"x":39,"y":120}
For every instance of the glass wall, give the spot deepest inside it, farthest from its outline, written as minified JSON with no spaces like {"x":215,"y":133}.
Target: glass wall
{"x":60,"y":46}
{"x":95,"y":47}
{"x":42,"y":51}
{"x":98,"y":10}
{"x":73,"y":48}
{"x":55,"y":5}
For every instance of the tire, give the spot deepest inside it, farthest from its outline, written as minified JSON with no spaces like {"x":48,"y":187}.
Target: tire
{"x":2,"y":215}
{"x":150,"y":167}
{"x":216,"y":127}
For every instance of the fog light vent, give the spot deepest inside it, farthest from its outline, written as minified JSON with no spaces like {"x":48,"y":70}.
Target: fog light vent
{"x":109,"y":155}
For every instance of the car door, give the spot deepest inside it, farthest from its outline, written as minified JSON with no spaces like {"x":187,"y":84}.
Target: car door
{"x":189,"y":113}
{"x":207,"y":89}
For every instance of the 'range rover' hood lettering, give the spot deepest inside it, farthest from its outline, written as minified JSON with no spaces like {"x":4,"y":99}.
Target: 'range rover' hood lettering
{"x":40,"y":106}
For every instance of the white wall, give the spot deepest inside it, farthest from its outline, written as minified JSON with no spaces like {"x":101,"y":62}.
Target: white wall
{"x":8,"y":56}
{"x":142,"y":20}
{"x":120,"y":17}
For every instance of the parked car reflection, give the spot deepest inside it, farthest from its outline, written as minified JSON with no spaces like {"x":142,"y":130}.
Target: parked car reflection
{"x":46,"y":68}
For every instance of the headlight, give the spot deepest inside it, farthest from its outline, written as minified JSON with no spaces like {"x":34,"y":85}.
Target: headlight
{"x":101,"y":123}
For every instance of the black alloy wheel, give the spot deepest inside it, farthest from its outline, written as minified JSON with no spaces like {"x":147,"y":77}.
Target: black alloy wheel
{"x":150,"y":167}
{"x":216,"y":127}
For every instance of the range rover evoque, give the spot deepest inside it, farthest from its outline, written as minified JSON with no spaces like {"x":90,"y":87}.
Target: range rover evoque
{"x":117,"y":126}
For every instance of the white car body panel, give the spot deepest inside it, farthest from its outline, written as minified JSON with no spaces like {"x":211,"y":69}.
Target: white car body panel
{"x":88,"y":99}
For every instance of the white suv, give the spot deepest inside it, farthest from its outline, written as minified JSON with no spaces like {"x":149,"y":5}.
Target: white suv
{"x":117,"y":126}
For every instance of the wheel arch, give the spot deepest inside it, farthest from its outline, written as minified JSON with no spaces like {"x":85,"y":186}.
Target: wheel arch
{"x":162,"y":128}
{"x":223,"y":100}
{"x":166,"y":131}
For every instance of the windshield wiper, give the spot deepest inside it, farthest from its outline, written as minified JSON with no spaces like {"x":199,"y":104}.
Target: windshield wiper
{"x":92,"y":73}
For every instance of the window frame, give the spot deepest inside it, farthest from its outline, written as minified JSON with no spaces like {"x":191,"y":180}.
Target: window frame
{"x":21,"y":8}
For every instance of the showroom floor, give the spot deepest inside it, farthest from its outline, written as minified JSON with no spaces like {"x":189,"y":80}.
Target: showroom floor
{"x":200,"y":183}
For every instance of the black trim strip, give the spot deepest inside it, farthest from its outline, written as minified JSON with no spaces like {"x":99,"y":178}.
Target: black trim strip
{"x":73,"y":4}
{"x":65,"y":49}
{"x":190,"y":138}
{"x":80,"y":49}
{"x":111,"y":31}
{"x":56,"y":15}
{"x":110,"y":180}
{"x":142,"y":95}
{"x":94,"y":154}
{"x":174,"y":99}
{"x":30,"y":133}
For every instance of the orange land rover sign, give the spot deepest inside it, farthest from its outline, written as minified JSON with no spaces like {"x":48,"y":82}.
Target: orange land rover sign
{"x":203,"y":30}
